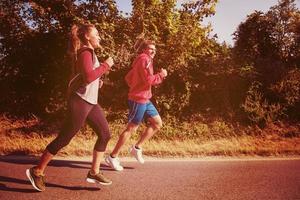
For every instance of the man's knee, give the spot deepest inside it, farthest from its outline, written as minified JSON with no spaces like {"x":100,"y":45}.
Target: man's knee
{"x":131,"y":128}
{"x":156,"y":125}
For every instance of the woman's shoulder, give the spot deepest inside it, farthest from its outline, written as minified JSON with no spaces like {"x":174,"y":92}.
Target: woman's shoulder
{"x":85,"y":53}
{"x":85,"y":49}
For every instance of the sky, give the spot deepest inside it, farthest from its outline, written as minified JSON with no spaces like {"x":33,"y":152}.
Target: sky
{"x":229,"y":14}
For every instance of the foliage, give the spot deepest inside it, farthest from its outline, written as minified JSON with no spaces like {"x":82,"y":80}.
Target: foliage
{"x":204,"y":76}
{"x":34,"y":38}
{"x":267,"y":50}
{"x":259,"y":109}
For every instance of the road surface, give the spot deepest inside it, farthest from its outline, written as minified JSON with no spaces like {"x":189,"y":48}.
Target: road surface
{"x":197,"y":179}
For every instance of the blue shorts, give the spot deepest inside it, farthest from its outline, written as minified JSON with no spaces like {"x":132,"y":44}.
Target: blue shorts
{"x":137,"y":111}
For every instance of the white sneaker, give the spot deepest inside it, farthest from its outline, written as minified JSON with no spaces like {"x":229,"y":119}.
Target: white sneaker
{"x":114,"y":163}
{"x":137,"y":153}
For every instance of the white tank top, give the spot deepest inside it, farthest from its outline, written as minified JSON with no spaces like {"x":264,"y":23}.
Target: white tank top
{"x":90,"y":92}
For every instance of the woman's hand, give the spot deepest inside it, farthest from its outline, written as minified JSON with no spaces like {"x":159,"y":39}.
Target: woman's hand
{"x":109,"y":61}
{"x":163,"y":72}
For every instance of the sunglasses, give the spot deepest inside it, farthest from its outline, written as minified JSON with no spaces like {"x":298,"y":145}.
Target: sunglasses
{"x":153,"y":49}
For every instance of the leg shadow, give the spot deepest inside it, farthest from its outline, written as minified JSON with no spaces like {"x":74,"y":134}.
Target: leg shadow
{"x":31,"y":160}
{"x":106,"y":167}
{"x":3,"y":187}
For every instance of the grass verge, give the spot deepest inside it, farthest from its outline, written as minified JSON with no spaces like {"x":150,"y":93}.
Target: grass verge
{"x":30,"y":137}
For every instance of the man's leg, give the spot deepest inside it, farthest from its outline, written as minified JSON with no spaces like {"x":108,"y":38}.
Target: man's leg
{"x":154,"y":127}
{"x":125,"y":135}
{"x":113,"y":160}
{"x":136,"y":113}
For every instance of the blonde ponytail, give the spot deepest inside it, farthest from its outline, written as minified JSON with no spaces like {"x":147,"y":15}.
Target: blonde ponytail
{"x":74,"y":42}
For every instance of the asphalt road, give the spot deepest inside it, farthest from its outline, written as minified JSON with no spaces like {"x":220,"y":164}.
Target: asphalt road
{"x":272,"y":179}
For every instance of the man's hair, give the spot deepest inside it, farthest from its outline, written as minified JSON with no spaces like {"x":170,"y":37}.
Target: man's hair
{"x":142,"y":44}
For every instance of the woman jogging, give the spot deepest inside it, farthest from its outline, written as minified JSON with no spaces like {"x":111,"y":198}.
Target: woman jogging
{"x":139,"y":79}
{"x":82,"y":106}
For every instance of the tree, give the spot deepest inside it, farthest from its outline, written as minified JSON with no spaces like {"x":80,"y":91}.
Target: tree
{"x":267,"y":47}
{"x":41,"y":28}
{"x":34,"y":37}
{"x":269,"y":40}
{"x":180,"y":39}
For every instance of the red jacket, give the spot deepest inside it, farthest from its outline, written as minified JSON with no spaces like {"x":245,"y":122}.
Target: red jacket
{"x":140,"y":79}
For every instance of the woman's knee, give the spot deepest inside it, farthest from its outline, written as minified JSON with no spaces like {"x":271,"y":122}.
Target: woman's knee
{"x":102,"y":141}
{"x":107,"y":136}
{"x":104,"y":135}
{"x":57,"y":145}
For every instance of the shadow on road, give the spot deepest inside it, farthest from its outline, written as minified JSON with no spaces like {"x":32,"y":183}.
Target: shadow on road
{"x":30,"y":160}
{"x":5,"y":181}
{"x":3,"y":187}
